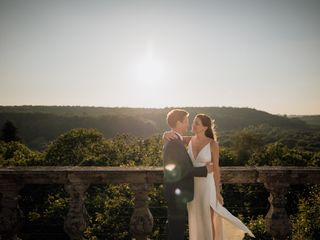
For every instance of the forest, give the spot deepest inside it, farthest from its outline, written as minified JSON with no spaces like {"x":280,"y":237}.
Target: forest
{"x":40,"y":124}
{"x":92,"y":136}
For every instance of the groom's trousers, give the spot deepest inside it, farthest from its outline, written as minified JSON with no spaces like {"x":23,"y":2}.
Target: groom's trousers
{"x":177,"y":218}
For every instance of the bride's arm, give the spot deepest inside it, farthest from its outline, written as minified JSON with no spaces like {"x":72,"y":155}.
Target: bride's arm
{"x":216,"y":169}
{"x":170,"y":135}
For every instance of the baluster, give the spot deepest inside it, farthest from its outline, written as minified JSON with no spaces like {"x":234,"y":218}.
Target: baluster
{"x":141,"y":222}
{"x":77,"y":218}
{"x":277,"y":221}
{"x":11,"y":217}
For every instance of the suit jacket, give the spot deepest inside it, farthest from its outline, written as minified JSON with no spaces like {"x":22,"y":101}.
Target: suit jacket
{"x":179,"y":172}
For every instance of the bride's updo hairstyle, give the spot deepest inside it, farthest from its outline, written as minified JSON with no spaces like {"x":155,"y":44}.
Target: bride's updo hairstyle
{"x":208,"y":122}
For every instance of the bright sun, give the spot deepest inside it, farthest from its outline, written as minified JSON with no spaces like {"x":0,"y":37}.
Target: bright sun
{"x":149,"y":71}
{"x":149,"y":74}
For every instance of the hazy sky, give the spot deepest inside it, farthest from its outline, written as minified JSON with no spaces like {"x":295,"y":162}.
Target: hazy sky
{"x":241,"y":53}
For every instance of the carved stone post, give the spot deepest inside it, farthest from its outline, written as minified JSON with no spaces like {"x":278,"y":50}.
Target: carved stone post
{"x":277,"y":221}
{"x":77,"y":219}
{"x":11,"y":217}
{"x":141,"y":222}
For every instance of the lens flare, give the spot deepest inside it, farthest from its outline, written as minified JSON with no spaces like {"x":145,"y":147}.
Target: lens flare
{"x":170,"y":167}
{"x":177,"y":191}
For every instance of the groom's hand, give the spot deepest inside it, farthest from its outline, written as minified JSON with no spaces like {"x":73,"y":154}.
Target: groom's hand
{"x":210,"y":167}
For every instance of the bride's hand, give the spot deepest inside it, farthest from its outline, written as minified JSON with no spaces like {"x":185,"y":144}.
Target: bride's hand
{"x":169,"y":135}
{"x":220,"y":198}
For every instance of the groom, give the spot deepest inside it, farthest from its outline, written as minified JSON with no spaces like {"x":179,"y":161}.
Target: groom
{"x":178,"y":175}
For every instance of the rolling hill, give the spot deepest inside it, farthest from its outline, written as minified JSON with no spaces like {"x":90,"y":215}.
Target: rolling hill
{"x":38,"y":125}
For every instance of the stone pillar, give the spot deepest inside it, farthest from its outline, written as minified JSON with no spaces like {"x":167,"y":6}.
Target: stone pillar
{"x":277,"y":221}
{"x":77,"y":218}
{"x":141,"y":222}
{"x":11,"y":217}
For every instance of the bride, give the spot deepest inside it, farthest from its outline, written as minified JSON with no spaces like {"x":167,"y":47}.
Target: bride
{"x":208,"y":219}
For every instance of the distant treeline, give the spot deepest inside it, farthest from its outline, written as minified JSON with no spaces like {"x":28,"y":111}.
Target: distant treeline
{"x":311,"y":120}
{"x":37,"y":125}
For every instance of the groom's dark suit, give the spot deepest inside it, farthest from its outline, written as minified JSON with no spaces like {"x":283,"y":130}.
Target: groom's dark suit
{"x":178,"y":185}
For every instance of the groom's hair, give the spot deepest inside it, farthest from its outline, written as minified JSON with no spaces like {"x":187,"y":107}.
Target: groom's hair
{"x":176,"y":115}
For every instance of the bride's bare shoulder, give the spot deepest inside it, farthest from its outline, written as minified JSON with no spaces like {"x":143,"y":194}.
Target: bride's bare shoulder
{"x":214,"y":144}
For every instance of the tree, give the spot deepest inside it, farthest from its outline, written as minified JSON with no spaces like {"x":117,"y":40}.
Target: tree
{"x":306,"y":223}
{"x":246,"y":142}
{"x":9,"y":132}
{"x":18,"y":154}
{"x":77,"y":147}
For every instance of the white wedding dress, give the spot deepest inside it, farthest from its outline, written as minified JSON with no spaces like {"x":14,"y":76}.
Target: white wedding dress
{"x":227,"y":226}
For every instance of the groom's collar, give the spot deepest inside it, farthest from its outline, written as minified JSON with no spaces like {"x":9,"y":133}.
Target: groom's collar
{"x":181,"y":138}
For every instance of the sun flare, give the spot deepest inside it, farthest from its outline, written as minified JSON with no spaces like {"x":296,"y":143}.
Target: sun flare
{"x":149,"y":70}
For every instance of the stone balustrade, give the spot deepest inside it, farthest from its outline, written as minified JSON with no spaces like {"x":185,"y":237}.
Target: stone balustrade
{"x":76,"y":181}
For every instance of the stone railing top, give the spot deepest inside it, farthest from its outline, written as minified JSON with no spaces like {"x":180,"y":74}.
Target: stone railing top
{"x":93,"y":174}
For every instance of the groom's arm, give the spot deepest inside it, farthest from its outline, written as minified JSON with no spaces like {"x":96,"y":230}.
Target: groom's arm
{"x":199,"y":171}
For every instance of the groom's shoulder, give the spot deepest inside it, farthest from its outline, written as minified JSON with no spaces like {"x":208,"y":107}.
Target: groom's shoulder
{"x":172,"y":143}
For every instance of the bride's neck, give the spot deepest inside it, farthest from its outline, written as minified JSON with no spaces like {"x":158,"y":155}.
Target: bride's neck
{"x":200,"y":136}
